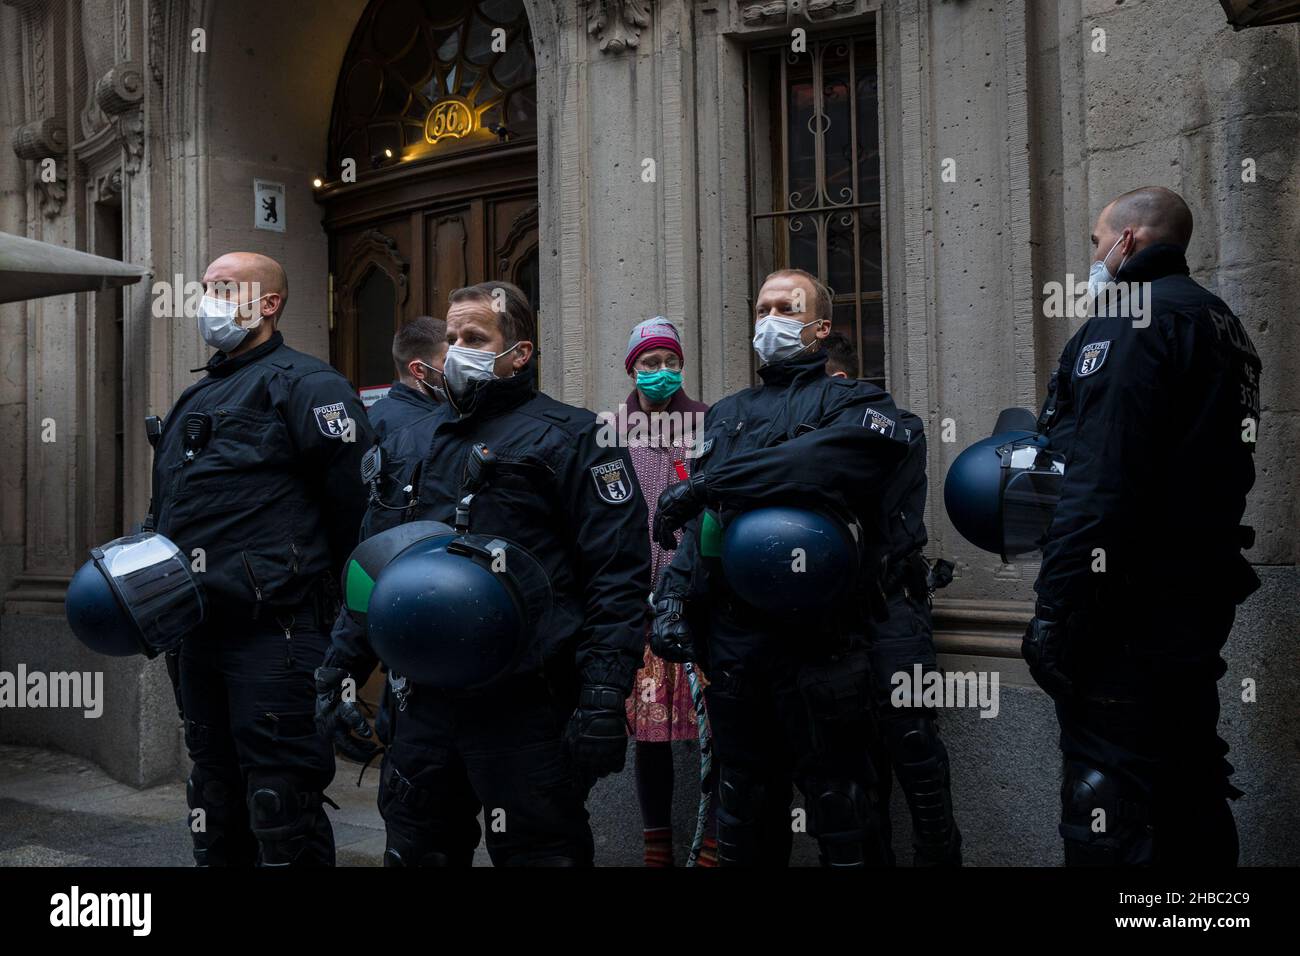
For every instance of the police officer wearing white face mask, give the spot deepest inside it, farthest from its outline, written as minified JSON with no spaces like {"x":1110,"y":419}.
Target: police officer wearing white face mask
{"x":256,"y":479}
{"x":789,"y":693}
{"x":1153,"y":412}
{"x":527,"y":748}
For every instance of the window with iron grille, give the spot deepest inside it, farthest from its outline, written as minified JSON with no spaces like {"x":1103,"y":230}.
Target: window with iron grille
{"x":815,"y":178}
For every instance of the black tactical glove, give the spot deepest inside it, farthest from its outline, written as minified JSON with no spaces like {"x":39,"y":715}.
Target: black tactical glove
{"x":339,"y":720}
{"x":670,"y":635}
{"x":679,"y":503}
{"x":596,"y":737}
{"x":1045,"y":648}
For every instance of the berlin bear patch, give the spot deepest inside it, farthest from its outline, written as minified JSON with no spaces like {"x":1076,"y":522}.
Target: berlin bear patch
{"x":611,"y":481}
{"x":1092,"y":357}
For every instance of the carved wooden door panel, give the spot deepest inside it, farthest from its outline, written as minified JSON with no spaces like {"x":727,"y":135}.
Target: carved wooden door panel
{"x":389,"y":272}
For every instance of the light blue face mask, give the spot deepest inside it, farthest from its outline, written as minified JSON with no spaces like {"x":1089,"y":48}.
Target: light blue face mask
{"x":659,"y":386}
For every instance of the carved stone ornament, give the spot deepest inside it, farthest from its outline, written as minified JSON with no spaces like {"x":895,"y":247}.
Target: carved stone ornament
{"x":773,"y":12}
{"x":109,"y":185}
{"x":130,"y":130}
{"x":40,"y":138}
{"x":120,"y":89}
{"x":156,"y":42}
{"x":617,"y":24}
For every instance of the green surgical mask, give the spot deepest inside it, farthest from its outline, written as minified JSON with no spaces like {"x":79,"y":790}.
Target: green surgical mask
{"x":659,"y":386}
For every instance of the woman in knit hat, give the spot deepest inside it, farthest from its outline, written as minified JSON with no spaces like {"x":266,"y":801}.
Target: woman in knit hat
{"x":660,"y":423}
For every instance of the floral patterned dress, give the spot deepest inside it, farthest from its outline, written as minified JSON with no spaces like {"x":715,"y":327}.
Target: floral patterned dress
{"x":660,"y":707}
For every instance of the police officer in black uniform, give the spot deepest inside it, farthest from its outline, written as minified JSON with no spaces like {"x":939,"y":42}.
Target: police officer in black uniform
{"x":527,"y":749}
{"x":418,"y":350}
{"x":1154,"y":407}
{"x":403,"y":423}
{"x":786,"y":697}
{"x":255,"y":479}
{"x":902,"y":636}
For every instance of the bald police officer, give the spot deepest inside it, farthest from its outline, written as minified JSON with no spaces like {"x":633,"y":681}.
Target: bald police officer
{"x":256,"y":480}
{"x":1154,"y":406}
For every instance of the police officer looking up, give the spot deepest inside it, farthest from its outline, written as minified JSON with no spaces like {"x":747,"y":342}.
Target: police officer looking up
{"x":1155,"y":415}
{"x":255,"y":480}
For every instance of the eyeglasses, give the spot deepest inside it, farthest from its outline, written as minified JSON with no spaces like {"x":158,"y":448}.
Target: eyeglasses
{"x":672,"y":363}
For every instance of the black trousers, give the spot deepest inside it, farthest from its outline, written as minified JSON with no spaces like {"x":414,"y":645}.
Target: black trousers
{"x":1145,"y":776}
{"x":499,"y":751}
{"x":260,"y":768}
{"x":786,"y":705}
{"x":909,"y":746}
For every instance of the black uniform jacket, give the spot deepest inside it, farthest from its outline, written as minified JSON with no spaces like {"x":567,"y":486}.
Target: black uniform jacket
{"x":1155,"y":416}
{"x":575,"y":505}
{"x":801,"y":439}
{"x":402,"y":405}
{"x":274,"y":498}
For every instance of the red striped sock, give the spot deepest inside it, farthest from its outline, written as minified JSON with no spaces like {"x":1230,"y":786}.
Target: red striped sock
{"x":659,"y":846}
{"x":708,"y":852}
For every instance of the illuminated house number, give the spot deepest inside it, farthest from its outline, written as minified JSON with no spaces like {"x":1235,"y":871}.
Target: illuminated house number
{"x":451,"y":118}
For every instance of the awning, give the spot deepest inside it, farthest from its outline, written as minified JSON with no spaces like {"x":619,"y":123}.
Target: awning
{"x":32,"y":270}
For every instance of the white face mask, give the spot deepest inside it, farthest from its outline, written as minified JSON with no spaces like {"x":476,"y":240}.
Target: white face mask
{"x":217,"y":323}
{"x":777,"y":338}
{"x":438,"y":392}
{"x":463,"y":367}
{"x":1099,"y":275}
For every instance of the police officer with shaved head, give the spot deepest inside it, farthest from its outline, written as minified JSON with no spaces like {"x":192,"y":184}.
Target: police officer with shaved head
{"x":1154,"y":407}
{"x":516,"y":723}
{"x":778,"y":520}
{"x":255,"y":480}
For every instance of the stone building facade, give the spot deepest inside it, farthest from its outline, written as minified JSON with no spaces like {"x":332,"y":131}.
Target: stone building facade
{"x":637,"y":176}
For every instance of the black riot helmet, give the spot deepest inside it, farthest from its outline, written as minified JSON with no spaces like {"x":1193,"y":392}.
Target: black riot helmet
{"x":781,"y":560}
{"x":457,"y":611}
{"x":1001,"y":492}
{"x":371,"y":556}
{"x":136,"y":595}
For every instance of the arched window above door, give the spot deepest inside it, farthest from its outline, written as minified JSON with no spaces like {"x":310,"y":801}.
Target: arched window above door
{"x":427,"y":78}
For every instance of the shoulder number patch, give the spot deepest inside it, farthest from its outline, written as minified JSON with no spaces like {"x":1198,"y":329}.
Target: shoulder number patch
{"x":331,"y":420}
{"x":1092,"y":357}
{"x":878,"y":422}
{"x":612,"y":483}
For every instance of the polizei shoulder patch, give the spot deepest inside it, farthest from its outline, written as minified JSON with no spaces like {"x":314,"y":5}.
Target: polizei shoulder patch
{"x":878,"y":422}
{"x":611,"y":480}
{"x":331,"y":420}
{"x":1092,"y":357}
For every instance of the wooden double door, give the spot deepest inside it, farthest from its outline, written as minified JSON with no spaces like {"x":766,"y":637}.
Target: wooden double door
{"x":403,"y":239}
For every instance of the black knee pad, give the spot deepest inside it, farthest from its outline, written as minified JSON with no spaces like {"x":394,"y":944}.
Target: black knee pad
{"x":1103,"y":821}
{"x":740,"y":805}
{"x":921,"y":766}
{"x":283,"y":818}
{"x":841,"y":818}
{"x":218,"y":820}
